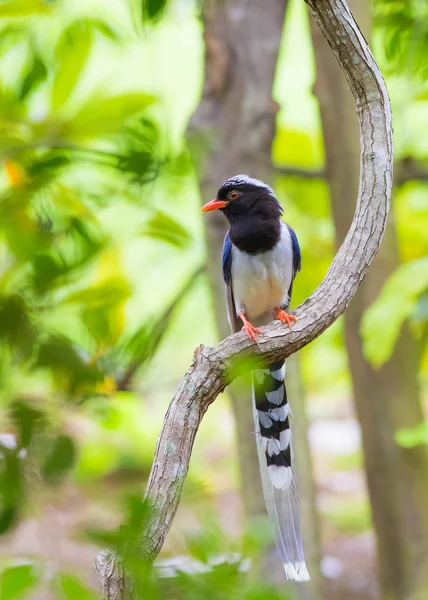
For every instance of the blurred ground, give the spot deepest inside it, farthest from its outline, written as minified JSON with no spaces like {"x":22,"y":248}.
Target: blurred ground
{"x":349,"y":553}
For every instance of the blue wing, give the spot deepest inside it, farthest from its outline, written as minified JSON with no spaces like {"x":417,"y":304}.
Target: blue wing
{"x":297,"y":257}
{"x":226,"y":259}
{"x":226,"y":262}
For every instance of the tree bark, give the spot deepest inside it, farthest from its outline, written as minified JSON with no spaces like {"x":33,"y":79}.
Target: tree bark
{"x":213,"y":368}
{"x":388,"y":399}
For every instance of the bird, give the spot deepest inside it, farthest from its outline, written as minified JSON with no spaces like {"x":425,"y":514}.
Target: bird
{"x":260,"y":260}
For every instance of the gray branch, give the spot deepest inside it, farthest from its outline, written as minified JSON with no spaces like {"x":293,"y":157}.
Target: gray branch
{"x":213,"y":368}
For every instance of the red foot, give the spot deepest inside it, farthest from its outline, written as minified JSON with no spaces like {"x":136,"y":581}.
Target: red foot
{"x":249,"y":329}
{"x":284,"y":317}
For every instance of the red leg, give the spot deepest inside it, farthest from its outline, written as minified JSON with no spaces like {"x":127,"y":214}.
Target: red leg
{"x":249,"y":329}
{"x":284,"y":317}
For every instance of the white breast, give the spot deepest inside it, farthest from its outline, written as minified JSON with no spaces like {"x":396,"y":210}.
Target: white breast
{"x":261,"y":282}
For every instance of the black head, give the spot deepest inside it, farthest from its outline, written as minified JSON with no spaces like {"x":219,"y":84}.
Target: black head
{"x":242,"y":196}
{"x":252,"y":210}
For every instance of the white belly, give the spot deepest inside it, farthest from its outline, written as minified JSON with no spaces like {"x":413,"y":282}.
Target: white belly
{"x":260,"y":282}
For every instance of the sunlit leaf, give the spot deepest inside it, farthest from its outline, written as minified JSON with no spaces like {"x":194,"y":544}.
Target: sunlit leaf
{"x":404,"y":32}
{"x":67,"y":364}
{"x":72,"y":53}
{"x":11,"y":34}
{"x":105,"y":28}
{"x":138,"y":156}
{"x":16,"y":582}
{"x":262,"y":592}
{"x":105,"y":293}
{"x":60,"y":460}
{"x":410,"y":438}
{"x":35,"y":76}
{"x":140,"y":347}
{"x":23,"y":8}
{"x":101,"y":115}
{"x":382,"y":321}
{"x":62,"y":264}
{"x":50,"y":162}
{"x":167,"y":229}
{"x":70,"y":587}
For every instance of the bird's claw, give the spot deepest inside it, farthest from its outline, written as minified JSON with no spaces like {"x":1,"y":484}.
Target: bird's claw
{"x":284,"y":317}
{"x":251,"y":331}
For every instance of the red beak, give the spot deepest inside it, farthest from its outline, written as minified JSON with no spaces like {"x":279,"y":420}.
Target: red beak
{"x":214,"y":205}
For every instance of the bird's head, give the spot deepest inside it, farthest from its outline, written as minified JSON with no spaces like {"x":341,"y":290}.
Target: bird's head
{"x":242,"y":196}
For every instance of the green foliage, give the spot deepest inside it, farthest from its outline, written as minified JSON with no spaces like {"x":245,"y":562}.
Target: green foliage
{"x":12,"y":486}
{"x":35,"y":76}
{"x":397,"y":301}
{"x":60,"y":459}
{"x":23,"y":8}
{"x":214,"y":567}
{"x":163,"y":227}
{"x":153,"y":10}
{"x":72,"y":52}
{"x":403,"y":24}
{"x":69,"y":152}
{"x":409,"y":438}
{"x":70,"y":587}
{"x":17,"y":582}
{"x":103,"y":115}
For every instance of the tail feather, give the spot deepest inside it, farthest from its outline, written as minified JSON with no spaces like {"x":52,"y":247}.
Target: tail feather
{"x":274,"y":446}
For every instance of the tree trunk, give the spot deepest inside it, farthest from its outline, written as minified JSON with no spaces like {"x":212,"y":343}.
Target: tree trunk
{"x":236,"y":118}
{"x":232,"y":132}
{"x":387,"y":399}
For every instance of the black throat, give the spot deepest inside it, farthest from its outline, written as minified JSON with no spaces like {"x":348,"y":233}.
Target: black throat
{"x":254,"y":235}
{"x":254,"y":218}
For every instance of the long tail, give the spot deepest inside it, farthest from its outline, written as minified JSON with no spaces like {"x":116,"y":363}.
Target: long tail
{"x":273,"y":436}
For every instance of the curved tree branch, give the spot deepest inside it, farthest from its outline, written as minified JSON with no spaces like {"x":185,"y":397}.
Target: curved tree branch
{"x":213,"y":368}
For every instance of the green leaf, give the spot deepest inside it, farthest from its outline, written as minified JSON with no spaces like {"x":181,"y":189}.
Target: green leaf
{"x":409,"y":438}
{"x":8,"y":518}
{"x":23,"y":8}
{"x":167,"y":229}
{"x":60,"y":459}
{"x":105,"y":28}
{"x":26,"y":419}
{"x":67,"y":364}
{"x":72,"y":53}
{"x":139,"y":349}
{"x":382,"y":321}
{"x":153,"y":9}
{"x":15,"y":326}
{"x":105,"y":294}
{"x":103,"y":116}
{"x":35,"y":76}
{"x":11,"y":488}
{"x":70,"y":587}
{"x":16,"y":582}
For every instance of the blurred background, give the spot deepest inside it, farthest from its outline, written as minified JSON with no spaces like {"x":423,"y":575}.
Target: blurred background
{"x":118,"y":120}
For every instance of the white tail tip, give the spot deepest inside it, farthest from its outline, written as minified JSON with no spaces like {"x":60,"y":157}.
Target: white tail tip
{"x":296,"y":571}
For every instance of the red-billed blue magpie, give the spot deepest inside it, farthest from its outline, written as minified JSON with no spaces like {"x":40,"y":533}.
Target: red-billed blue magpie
{"x":261,"y":257}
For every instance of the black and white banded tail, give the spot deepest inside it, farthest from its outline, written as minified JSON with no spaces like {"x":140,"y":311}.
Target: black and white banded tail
{"x":273,"y":436}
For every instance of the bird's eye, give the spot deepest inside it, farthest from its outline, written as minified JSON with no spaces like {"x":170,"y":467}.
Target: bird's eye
{"x":233,"y":195}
